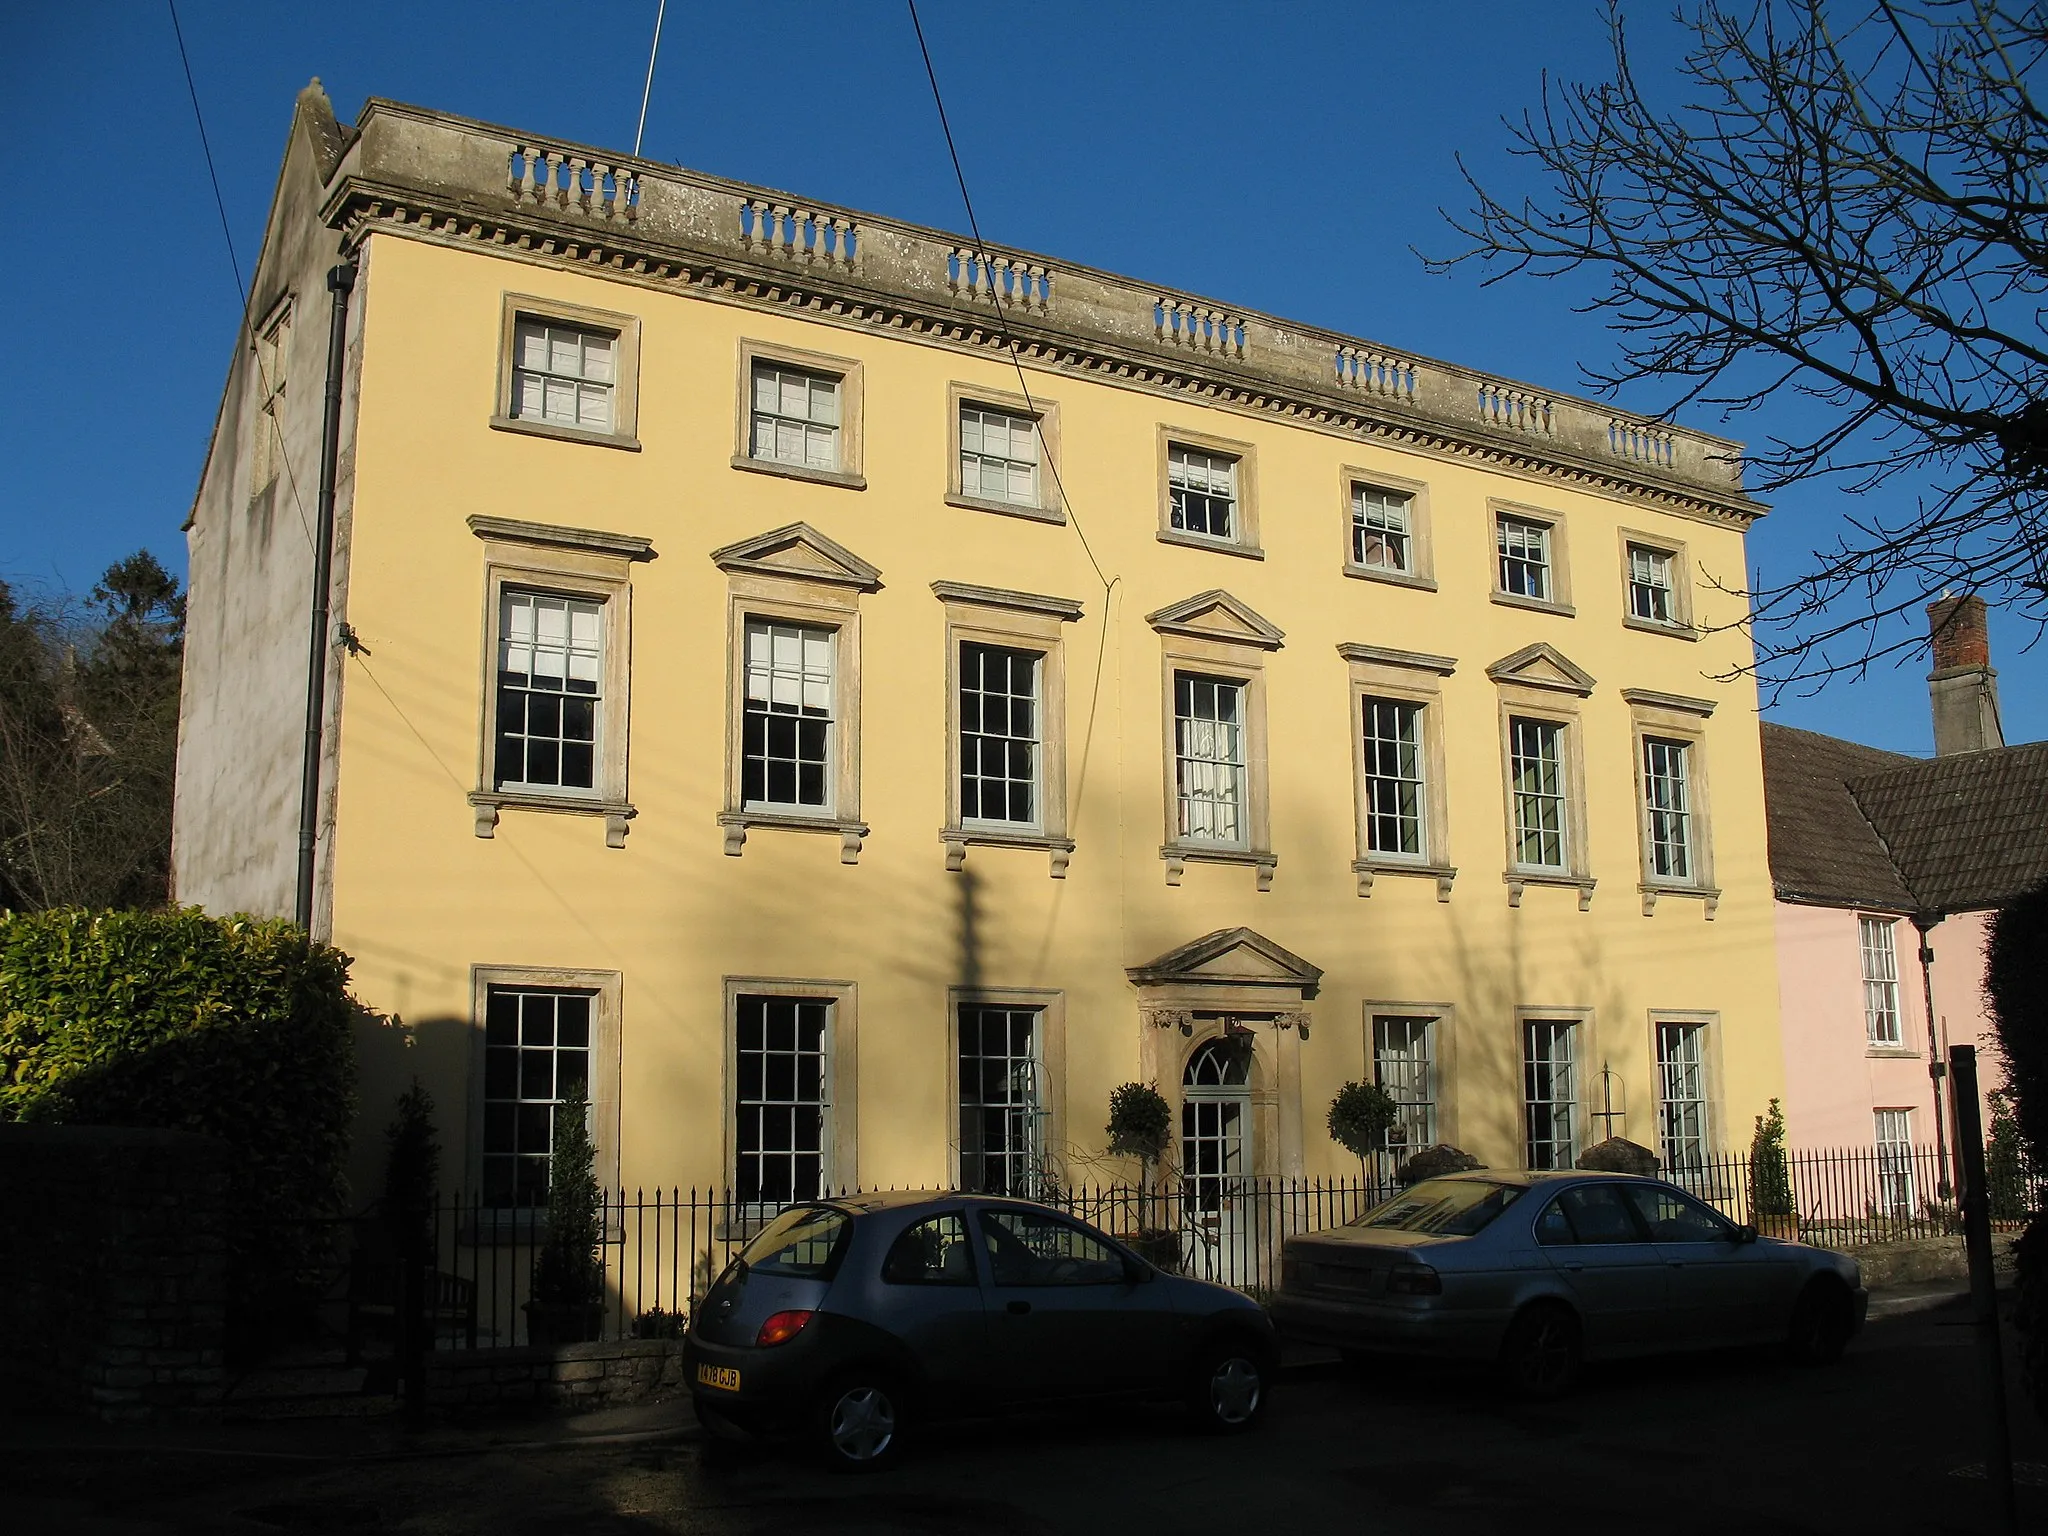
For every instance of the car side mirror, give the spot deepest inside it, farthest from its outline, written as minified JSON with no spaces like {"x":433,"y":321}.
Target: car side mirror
{"x":1745,"y":1234}
{"x":1136,"y":1273}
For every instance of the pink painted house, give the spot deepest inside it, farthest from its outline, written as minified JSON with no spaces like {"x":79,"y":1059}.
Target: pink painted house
{"x":1887,"y":870}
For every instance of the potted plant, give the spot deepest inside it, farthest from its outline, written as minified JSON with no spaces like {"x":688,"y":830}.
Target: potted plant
{"x":1360,"y":1116}
{"x":1141,"y":1126}
{"x":568,"y":1276}
{"x":1617,"y":1154}
{"x":1434,"y":1162}
{"x":1770,"y":1177}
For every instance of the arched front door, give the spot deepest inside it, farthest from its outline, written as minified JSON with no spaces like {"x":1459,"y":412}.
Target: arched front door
{"x":1215,"y":1153}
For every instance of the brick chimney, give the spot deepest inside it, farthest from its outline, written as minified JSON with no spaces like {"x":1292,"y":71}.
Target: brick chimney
{"x":1963,"y":687}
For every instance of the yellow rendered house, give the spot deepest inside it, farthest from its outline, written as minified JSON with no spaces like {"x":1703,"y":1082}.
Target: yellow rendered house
{"x":854,"y":698}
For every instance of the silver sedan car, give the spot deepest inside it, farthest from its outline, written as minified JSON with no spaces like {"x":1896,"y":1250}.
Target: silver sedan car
{"x":1539,"y":1272}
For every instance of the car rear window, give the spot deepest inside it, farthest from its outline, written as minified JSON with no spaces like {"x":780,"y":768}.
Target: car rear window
{"x":804,"y":1244}
{"x":1446,"y":1207}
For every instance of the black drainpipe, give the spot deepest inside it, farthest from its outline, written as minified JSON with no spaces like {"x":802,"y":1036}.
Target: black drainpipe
{"x":341,"y":281}
{"x":1937,"y":1067}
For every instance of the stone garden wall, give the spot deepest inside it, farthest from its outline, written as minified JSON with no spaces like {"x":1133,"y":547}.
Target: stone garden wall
{"x":578,"y":1376}
{"x":113,"y":1270}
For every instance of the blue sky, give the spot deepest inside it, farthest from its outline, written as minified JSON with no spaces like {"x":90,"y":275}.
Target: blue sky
{"x":1284,"y":157}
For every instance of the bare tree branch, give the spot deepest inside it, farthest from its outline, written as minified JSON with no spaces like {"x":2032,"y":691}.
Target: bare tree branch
{"x":1853,"y":213}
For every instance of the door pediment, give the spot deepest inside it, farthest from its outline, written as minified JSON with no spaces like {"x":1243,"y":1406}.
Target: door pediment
{"x":1230,"y":957}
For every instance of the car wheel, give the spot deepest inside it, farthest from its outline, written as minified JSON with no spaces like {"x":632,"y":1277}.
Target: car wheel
{"x":1229,"y":1388}
{"x":1821,"y":1325}
{"x":860,"y":1423}
{"x":1539,"y":1359}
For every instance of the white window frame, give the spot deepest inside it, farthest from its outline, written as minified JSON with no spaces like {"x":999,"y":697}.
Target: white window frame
{"x":569,"y":563}
{"x":1411,"y":680}
{"x":1005,"y":740}
{"x":1897,"y":1195}
{"x":1511,"y":546}
{"x":1039,"y":414}
{"x":538,"y":602}
{"x":622,"y":389}
{"x":1410,"y":1076}
{"x":1411,"y":754}
{"x":1540,"y":729}
{"x":1669,"y":820}
{"x":1562,"y":1100}
{"x":838,"y":1088}
{"x":606,"y":991}
{"x":812,"y":425}
{"x":1636,"y":545}
{"x":1685,"y":1136}
{"x":1175,"y":445}
{"x":844,"y":374}
{"x":1233,"y":766}
{"x":815,"y":643}
{"x":975,"y":424}
{"x":1033,"y":625}
{"x":1884,"y":1015}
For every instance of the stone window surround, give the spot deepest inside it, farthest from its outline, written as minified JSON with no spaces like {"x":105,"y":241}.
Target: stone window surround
{"x":1052,"y":1060}
{"x":271,"y":339}
{"x":1559,"y":707}
{"x":1246,"y":544}
{"x":1021,"y":621}
{"x":608,"y":989}
{"x":1559,"y":549}
{"x":1675,"y":550}
{"x":567,"y":562}
{"x":1674,"y":717}
{"x":1239,"y":663}
{"x":849,"y":371}
{"x":1443,"y":1048}
{"x":1710,"y":1067}
{"x":842,"y":1058}
{"x":625,"y":370}
{"x":1907,"y":1000}
{"x":1585,"y":1074}
{"x":1422,"y":551}
{"x":818,"y":605}
{"x":1050,"y":507}
{"x":1411,"y":677}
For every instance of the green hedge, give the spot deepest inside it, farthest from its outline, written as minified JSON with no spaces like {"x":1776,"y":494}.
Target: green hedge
{"x":235,"y":1028}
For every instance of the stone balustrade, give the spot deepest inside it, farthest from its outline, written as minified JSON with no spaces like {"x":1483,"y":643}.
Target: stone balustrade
{"x":1647,"y":442}
{"x":558,"y":178}
{"x":667,"y":223}
{"x":1375,"y":372}
{"x":1519,"y":410}
{"x":1190,"y":323}
{"x":799,"y":234}
{"x":1013,"y":282}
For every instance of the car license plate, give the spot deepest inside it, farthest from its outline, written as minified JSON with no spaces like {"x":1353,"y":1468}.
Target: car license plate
{"x":724,"y":1377}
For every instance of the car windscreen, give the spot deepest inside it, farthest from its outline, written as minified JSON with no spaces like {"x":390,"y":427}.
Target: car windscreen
{"x":804,"y":1244}
{"x":1444,"y":1207}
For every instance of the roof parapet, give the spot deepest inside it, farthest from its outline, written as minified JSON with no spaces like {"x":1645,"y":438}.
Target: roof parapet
{"x":444,"y":175}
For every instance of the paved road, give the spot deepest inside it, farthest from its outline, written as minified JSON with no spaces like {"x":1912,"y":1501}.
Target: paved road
{"x":1737,"y":1444}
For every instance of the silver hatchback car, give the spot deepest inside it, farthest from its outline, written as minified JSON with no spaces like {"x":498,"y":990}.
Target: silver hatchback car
{"x":1543,"y":1271}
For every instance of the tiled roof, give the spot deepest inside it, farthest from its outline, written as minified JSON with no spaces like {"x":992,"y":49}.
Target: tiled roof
{"x":1823,"y":848}
{"x":1854,"y":826}
{"x":1966,"y":831}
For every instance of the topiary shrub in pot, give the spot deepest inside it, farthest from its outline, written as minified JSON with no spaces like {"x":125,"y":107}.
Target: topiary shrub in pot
{"x":1617,"y":1154}
{"x":1141,"y":1126}
{"x":1434,"y":1162}
{"x":1770,"y":1177}
{"x":1360,"y":1116}
{"x":568,"y":1276}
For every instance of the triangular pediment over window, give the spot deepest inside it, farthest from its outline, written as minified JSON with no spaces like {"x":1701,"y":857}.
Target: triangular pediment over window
{"x":1230,"y":957}
{"x":801,"y":553}
{"x":1216,"y":615}
{"x":1542,"y":665}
